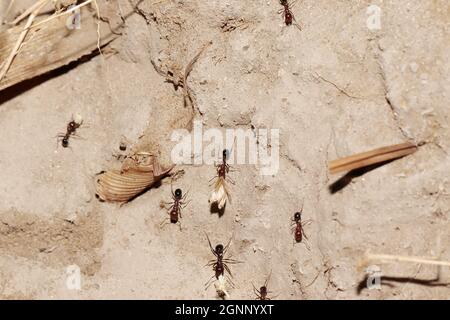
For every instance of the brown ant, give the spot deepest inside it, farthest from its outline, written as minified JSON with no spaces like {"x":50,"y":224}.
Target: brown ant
{"x":176,"y":205}
{"x":298,"y":227}
{"x":289,"y":18}
{"x":72,"y":127}
{"x":221,"y":192}
{"x":220,"y":263}
{"x":223,"y":168}
{"x":261,"y":294}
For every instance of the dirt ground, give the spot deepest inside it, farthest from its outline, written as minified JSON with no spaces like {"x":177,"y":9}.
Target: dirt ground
{"x":333,"y":88}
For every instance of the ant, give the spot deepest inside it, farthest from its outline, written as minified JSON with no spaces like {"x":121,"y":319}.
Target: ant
{"x":220,"y":263}
{"x":221,"y":192}
{"x":224,"y":168}
{"x":289,"y":18}
{"x":298,"y":225}
{"x":72,"y":127}
{"x":177,"y":204}
{"x":261,"y":294}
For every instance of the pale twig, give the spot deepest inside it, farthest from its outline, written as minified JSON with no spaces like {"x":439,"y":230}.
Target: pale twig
{"x":29,"y":11}
{"x":386,"y":258}
{"x":62,"y":13}
{"x":372,"y":157}
{"x":72,"y":10}
{"x":188,"y":70}
{"x":9,"y":8}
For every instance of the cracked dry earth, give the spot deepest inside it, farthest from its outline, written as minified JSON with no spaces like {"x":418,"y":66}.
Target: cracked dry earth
{"x":333,"y":89}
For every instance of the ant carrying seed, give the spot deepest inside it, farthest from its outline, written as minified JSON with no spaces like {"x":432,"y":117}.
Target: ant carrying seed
{"x":221,"y":192}
{"x":220,"y":263}
{"x":262,"y":293}
{"x":298,"y":229}
{"x":71,"y":129}
{"x":289,"y":18}
{"x":176,"y":205}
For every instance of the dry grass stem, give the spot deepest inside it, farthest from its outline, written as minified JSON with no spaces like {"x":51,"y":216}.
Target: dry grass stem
{"x":376,"y":156}
{"x":369,"y":259}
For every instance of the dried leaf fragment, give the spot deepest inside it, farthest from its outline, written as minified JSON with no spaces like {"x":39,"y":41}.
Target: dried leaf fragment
{"x":138,"y":173}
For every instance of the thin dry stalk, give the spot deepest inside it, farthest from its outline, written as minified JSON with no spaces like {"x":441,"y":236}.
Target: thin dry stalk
{"x":34,"y":11}
{"x":376,"y":156}
{"x":68,"y":11}
{"x":19,"y":42}
{"x":187,"y":71}
{"x":9,"y":7}
{"x":369,"y":259}
{"x":29,"y":11}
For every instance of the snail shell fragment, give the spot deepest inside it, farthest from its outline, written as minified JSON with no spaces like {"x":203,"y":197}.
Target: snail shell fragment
{"x":138,"y":173}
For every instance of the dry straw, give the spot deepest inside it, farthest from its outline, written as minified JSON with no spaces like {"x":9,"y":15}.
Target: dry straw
{"x":373,"y":157}
{"x":32,"y":12}
{"x":370,"y":258}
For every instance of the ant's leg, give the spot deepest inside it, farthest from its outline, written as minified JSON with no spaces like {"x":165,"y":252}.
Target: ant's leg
{"x":59,"y":138}
{"x":184,"y":205}
{"x":77,"y":136}
{"x":230,"y":281}
{"x":209,"y":282}
{"x":210,"y":245}
{"x":293,"y":3}
{"x":171,"y":188}
{"x":185,"y":195}
{"x":164,"y":223}
{"x":210,"y":263}
{"x":216,"y":176}
{"x":299,"y":27}
{"x":256,"y":291}
{"x":230,"y":180}
{"x":304,"y":234}
{"x":227,"y":268}
{"x":230,"y":260}
{"x":267,"y":280}
{"x":179,"y":224}
{"x":226,"y":247}
{"x":307,"y":243}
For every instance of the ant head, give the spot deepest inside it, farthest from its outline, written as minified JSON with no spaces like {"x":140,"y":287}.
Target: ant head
{"x":65,"y":142}
{"x":219,"y":249}
{"x":297,"y":216}
{"x":226,"y":154}
{"x":263,"y":290}
{"x":178,"y":193}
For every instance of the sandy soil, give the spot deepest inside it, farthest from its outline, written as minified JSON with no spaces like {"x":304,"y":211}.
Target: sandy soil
{"x":333,"y":89}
